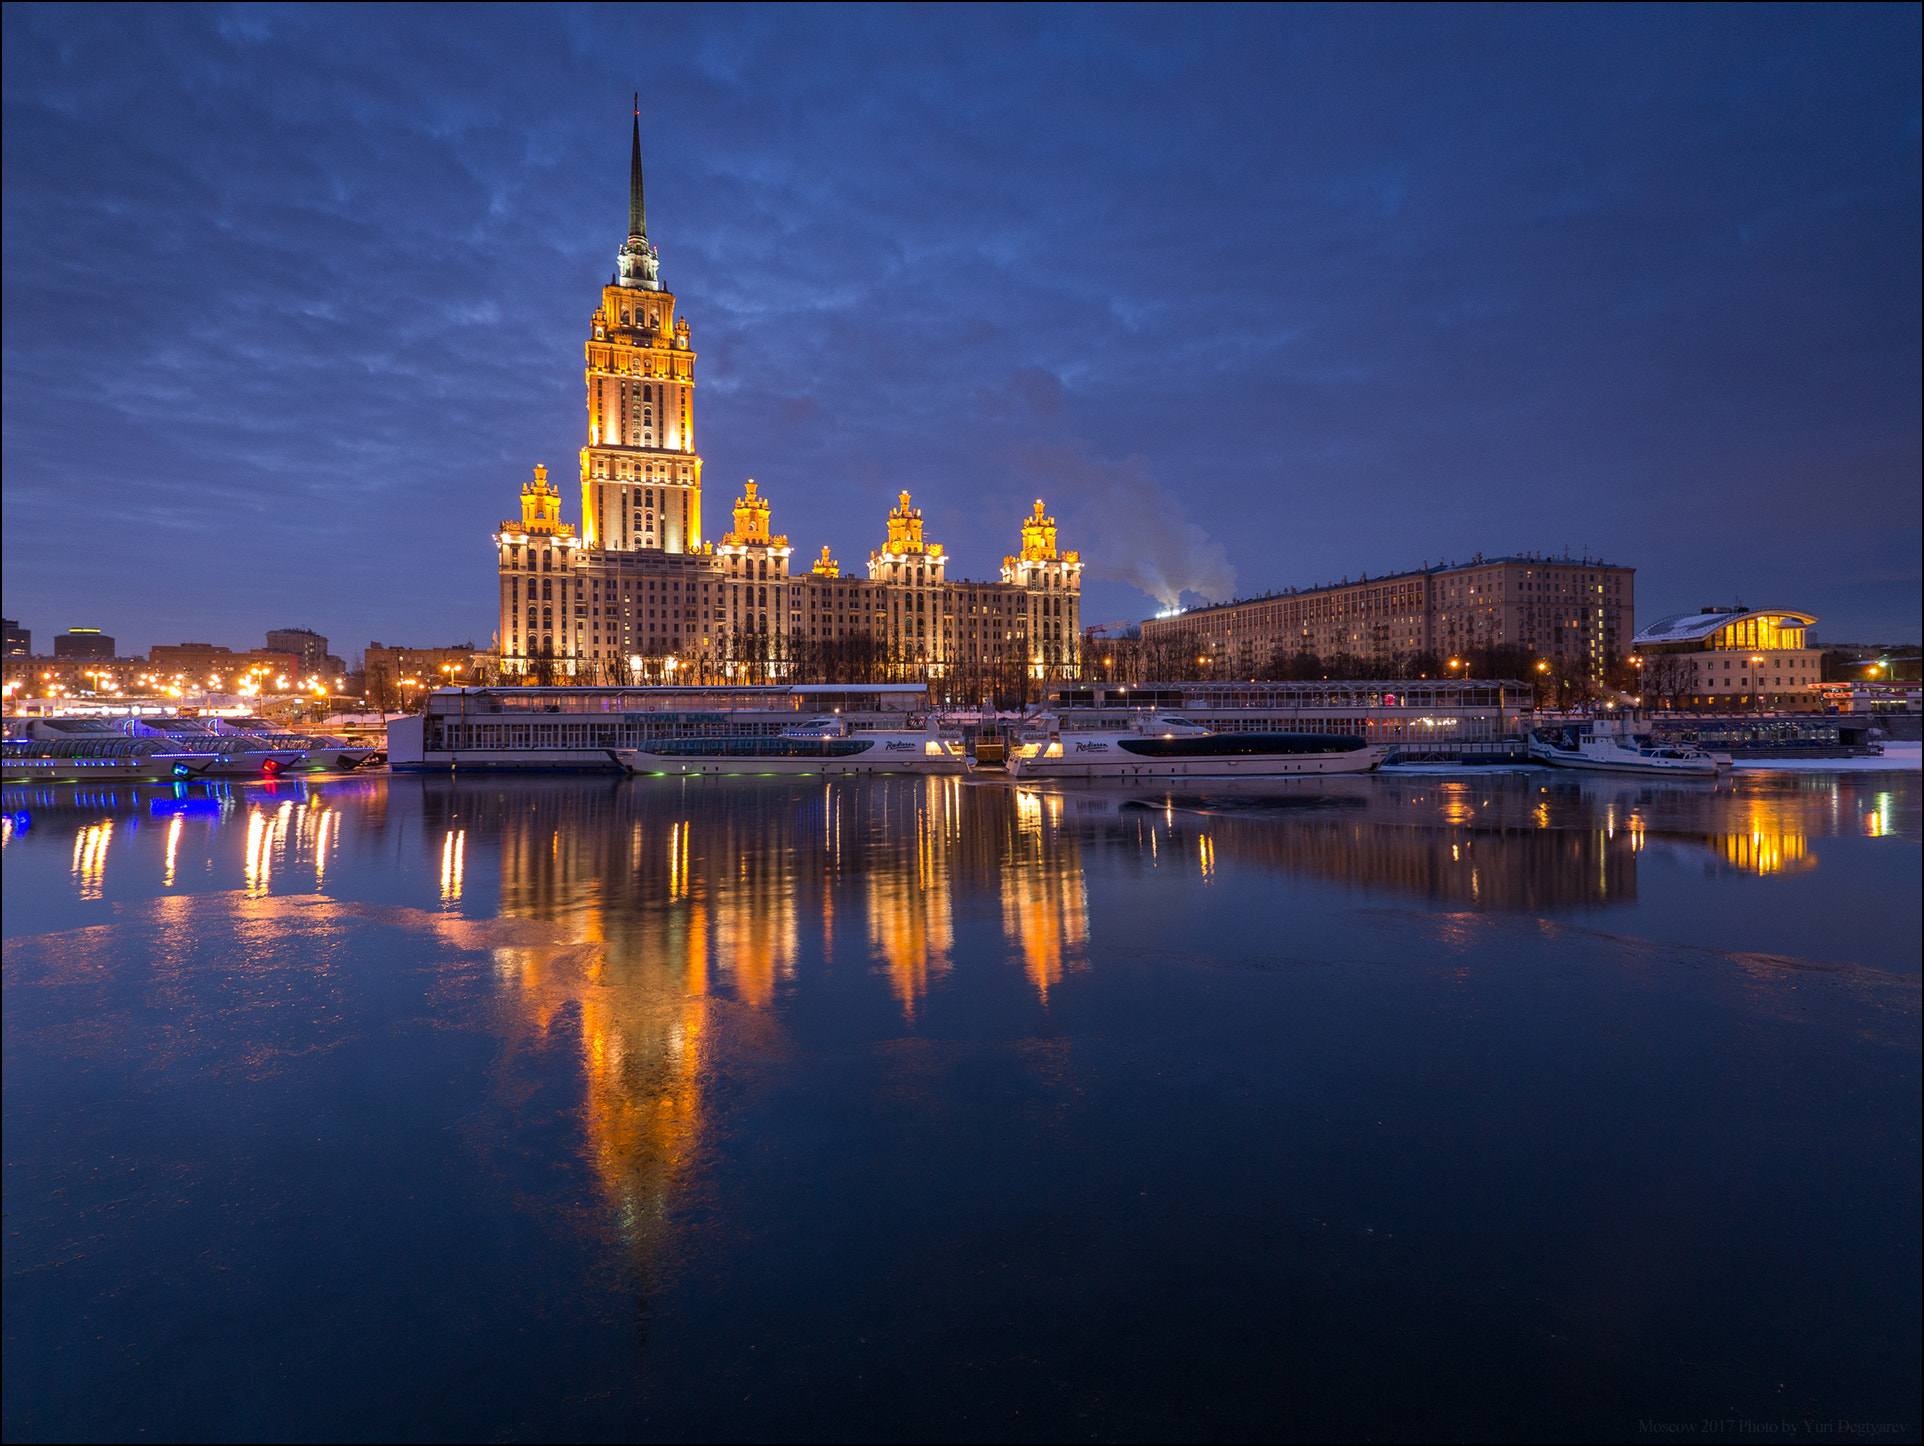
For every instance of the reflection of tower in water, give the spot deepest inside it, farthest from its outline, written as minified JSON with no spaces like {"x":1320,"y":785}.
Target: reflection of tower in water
{"x":909,"y":855}
{"x":622,"y":881}
{"x":632,"y":915}
{"x":1045,"y":905}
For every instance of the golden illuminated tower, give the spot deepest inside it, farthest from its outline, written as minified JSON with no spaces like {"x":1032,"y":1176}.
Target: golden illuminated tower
{"x":1052,"y":583}
{"x":640,"y":475}
{"x":537,"y":555}
{"x":910,"y":572}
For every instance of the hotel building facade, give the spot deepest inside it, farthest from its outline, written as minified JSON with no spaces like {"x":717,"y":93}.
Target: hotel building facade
{"x":1578,"y":611}
{"x":641,"y":586}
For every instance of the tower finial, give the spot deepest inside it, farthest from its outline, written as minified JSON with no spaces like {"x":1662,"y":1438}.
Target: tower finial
{"x":638,"y":260}
{"x":637,"y":209}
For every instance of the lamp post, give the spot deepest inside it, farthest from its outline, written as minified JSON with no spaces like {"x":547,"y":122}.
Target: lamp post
{"x":1757,"y":693}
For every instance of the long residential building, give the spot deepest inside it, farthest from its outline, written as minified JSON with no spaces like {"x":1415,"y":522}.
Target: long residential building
{"x":1578,"y":611}
{"x":642,"y":587}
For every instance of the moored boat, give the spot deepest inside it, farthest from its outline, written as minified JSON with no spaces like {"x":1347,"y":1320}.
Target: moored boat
{"x":1176,"y":748}
{"x":86,"y":760}
{"x":820,"y":746}
{"x":1592,"y":747}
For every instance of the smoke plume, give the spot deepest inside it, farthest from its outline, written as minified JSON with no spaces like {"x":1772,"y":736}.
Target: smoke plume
{"x":1132,"y":530}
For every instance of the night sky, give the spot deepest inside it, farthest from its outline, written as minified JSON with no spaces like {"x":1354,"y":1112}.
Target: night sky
{"x":1255,"y":298}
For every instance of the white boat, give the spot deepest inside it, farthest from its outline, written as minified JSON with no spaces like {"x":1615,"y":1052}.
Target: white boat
{"x":227,"y":757}
{"x":1162,"y":747}
{"x":86,"y":760}
{"x":320,"y":753}
{"x":1610,"y":750}
{"x":173,"y":748}
{"x":820,"y":746}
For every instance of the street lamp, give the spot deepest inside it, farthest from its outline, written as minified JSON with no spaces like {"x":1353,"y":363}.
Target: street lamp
{"x":1756,"y":665}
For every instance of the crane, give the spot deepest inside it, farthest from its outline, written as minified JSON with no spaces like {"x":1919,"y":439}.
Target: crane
{"x":1091,"y":629}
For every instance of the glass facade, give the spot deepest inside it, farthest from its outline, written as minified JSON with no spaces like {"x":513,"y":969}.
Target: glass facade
{"x":1760,"y":632}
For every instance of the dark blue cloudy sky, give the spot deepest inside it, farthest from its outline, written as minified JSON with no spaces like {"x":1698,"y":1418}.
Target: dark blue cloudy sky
{"x":1254,"y":297}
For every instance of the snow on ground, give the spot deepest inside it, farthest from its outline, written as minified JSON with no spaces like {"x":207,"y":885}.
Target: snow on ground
{"x":1897,"y":756}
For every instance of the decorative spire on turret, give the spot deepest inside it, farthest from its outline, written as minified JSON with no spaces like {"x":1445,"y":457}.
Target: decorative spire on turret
{"x":639,"y":260}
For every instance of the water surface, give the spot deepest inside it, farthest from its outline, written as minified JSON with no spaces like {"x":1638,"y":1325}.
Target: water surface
{"x":1502,"y":1105}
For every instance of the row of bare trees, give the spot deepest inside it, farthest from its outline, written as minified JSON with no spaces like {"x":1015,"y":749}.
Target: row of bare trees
{"x":1559,"y":681}
{"x":759,"y":658}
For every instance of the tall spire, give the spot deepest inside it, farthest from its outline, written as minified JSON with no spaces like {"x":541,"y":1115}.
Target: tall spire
{"x":638,"y":264}
{"x":637,"y":209}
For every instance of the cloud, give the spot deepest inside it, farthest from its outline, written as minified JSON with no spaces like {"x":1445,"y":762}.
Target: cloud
{"x":1523,"y":276}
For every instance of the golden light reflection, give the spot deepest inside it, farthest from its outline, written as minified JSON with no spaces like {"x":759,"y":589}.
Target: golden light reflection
{"x":1766,"y":853}
{"x":90,"y":858}
{"x":622,"y":927}
{"x":1045,"y":903}
{"x":911,"y":923}
{"x":173,"y":850}
{"x":754,"y":933}
{"x":324,"y":821}
{"x":1771,"y":838}
{"x":1457,"y":803}
{"x":453,"y":864}
{"x":258,"y":865}
{"x":678,"y":876}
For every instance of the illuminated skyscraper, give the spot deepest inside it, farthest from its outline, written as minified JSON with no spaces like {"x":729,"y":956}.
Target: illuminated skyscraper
{"x":642,"y":590}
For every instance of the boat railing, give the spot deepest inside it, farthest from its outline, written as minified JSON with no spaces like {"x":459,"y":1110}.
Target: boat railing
{"x":95,"y":747}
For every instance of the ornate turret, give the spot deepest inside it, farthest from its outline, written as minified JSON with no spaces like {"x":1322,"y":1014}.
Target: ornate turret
{"x":826,"y":566}
{"x":541,"y":508}
{"x":1038,"y":536}
{"x":751,"y":522}
{"x":905,"y":532}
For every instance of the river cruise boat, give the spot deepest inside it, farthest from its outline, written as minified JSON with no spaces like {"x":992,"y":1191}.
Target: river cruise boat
{"x":139,"y":760}
{"x":819,"y":746}
{"x":85,"y":760}
{"x":643,"y":731}
{"x":190,"y":747}
{"x":1607,"y":749}
{"x":1162,"y":747}
{"x":318,"y":753}
{"x":314,"y":752}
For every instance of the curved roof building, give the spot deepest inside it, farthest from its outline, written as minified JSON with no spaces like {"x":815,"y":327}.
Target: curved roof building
{"x":1733,"y":628}
{"x":1746,"y":659}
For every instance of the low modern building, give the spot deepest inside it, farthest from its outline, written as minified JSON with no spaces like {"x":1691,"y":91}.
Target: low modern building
{"x":1735,"y":657}
{"x":1577,"y":611}
{"x":398,"y":673}
{"x":209,"y":665}
{"x":84,"y":643}
{"x":19,"y":641}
